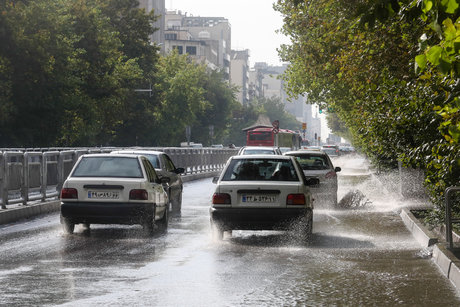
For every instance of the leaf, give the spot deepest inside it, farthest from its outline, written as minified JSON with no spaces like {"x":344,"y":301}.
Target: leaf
{"x":421,"y":61}
{"x":427,"y":5}
{"x":434,"y":55}
{"x":452,"y":6}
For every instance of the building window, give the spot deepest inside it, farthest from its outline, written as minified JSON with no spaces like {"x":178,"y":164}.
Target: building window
{"x":171,"y":36}
{"x":191,"y":50}
{"x":179,"y":49}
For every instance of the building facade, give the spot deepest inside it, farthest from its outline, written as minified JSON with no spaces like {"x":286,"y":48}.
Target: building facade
{"x":239,"y":67}
{"x":205,"y":39}
{"x":158,"y":7}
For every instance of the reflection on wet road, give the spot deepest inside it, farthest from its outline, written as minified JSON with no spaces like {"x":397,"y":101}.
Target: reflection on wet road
{"x":357,"y":257}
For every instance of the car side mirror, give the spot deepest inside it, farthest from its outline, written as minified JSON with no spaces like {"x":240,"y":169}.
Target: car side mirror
{"x":165,"y":180}
{"x":337,"y":169}
{"x":215,"y":179}
{"x":179,"y":170}
{"x":312,"y":181}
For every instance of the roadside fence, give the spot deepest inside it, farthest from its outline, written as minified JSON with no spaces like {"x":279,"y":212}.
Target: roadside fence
{"x":28,"y":175}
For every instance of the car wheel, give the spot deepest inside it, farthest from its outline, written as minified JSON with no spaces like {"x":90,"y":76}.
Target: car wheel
{"x":163,"y":222}
{"x":308,"y":229}
{"x":68,"y":226}
{"x":176,"y":203}
{"x":217,"y":231}
{"x":148,"y":224}
{"x":334,"y":201}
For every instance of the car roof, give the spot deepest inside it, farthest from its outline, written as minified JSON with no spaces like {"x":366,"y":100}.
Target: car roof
{"x":138,"y":151}
{"x":299,"y":152}
{"x":260,"y":147}
{"x":252,"y":157}
{"x":111,"y":155}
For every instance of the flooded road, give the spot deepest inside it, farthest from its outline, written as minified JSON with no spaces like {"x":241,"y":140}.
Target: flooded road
{"x":361,"y":256}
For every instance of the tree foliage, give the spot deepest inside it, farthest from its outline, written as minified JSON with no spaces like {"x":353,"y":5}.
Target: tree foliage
{"x":71,"y":71}
{"x":390,"y":71}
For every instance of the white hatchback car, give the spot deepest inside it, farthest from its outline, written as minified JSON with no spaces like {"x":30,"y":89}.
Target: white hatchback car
{"x":262,"y":192}
{"x":317,"y":164}
{"x":114,"y":189}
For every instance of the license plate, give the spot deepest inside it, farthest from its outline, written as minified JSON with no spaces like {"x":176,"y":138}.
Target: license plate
{"x":103,"y":194}
{"x":258,"y":198}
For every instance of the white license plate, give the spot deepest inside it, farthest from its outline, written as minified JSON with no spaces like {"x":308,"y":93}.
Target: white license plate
{"x":258,"y":198}
{"x":103,"y":194}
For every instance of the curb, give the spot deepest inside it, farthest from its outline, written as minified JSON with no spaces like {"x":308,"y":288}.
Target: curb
{"x":447,"y":262}
{"x":424,"y":236}
{"x":21,"y":212}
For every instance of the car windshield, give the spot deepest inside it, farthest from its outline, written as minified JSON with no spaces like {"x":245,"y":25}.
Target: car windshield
{"x":260,"y":169}
{"x":108,"y":167}
{"x":259,"y":152}
{"x":313,"y":162}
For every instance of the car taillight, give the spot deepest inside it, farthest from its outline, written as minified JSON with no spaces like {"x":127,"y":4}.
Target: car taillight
{"x":138,"y":194}
{"x":295,"y":199}
{"x":331,"y":174}
{"x":221,"y":199}
{"x":69,"y":193}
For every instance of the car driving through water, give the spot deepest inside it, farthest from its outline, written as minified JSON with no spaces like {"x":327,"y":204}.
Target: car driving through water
{"x":317,"y":164}
{"x":114,"y":189}
{"x":164,"y":167}
{"x":262,"y":192}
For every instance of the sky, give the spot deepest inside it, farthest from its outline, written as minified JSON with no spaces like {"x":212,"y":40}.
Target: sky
{"x":253,"y":24}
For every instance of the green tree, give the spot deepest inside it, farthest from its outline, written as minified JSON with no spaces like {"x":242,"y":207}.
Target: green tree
{"x":358,"y":58}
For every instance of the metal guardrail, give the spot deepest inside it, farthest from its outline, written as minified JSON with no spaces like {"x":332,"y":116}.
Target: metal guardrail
{"x":449,"y":221}
{"x":36,"y":175}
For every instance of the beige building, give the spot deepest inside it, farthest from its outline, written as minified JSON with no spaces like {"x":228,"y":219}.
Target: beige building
{"x":240,"y":74}
{"x":158,"y":6}
{"x":206,"y":39}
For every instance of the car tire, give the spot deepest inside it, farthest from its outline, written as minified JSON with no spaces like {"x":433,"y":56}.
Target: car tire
{"x":68,"y":226}
{"x":308,"y":230}
{"x":334,"y":201}
{"x":176,"y":203}
{"x":164,"y":221}
{"x":304,"y":229}
{"x":217,"y":231}
{"x":148,"y":224}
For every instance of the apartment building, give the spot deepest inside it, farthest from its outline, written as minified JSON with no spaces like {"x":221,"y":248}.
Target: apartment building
{"x":158,"y":6}
{"x":206,"y":39}
{"x":239,"y":67}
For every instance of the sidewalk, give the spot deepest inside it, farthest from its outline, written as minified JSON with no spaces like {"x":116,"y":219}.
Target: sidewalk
{"x":448,"y":261}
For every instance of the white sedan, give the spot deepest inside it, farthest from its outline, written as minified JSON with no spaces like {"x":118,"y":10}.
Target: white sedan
{"x":114,"y":189}
{"x":262,"y":192}
{"x":317,"y":164}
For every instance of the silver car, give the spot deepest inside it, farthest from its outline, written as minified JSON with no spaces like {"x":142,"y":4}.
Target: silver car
{"x":317,"y":164}
{"x":164,"y":167}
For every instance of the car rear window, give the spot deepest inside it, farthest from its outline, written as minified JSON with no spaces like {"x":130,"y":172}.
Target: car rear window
{"x":313,"y":162}
{"x":261,"y":169}
{"x":108,"y":167}
{"x":330,"y":151}
{"x":258,"y":152}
